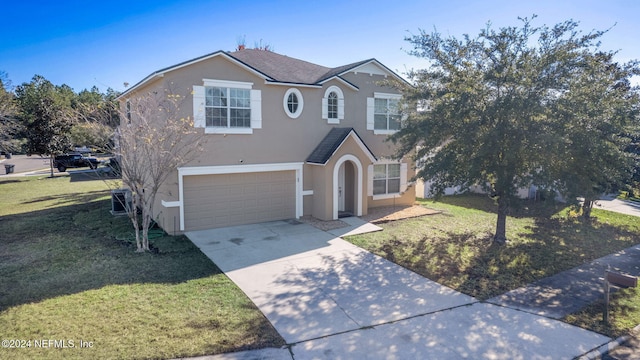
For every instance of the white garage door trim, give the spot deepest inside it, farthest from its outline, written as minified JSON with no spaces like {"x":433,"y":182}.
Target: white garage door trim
{"x":238,"y":169}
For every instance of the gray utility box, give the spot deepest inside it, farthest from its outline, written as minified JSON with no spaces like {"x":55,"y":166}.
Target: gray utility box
{"x":121,"y":201}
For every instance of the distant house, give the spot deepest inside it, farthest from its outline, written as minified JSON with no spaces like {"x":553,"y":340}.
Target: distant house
{"x":288,"y":138}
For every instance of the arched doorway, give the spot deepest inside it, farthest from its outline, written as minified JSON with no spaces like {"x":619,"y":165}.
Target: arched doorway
{"x":347,"y":186}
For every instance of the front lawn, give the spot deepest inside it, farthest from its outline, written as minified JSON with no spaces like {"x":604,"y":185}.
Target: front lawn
{"x":64,"y":277}
{"x":455,"y":247}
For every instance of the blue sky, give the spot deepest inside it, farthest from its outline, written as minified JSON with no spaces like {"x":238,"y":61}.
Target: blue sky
{"x":108,"y":43}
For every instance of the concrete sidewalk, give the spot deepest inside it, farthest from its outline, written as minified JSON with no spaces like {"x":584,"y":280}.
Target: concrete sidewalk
{"x":330,"y":299}
{"x":569,"y":291}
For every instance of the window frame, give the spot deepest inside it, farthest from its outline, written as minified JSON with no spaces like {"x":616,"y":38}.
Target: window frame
{"x":332,"y":106}
{"x":199,"y":111}
{"x":388,"y":114}
{"x":285,"y":103}
{"x":387,"y":178}
{"x":371,"y":113}
{"x":339,"y":102}
{"x":228,"y":106}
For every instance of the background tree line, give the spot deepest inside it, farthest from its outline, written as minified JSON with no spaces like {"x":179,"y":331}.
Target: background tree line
{"x":41,"y":118}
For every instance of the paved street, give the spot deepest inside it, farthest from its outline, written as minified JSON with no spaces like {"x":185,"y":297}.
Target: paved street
{"x":610,"y":203}
{"x":24,"y":164}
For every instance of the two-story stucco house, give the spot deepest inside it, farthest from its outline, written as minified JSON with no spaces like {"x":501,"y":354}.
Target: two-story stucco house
{"x":287,"y":138}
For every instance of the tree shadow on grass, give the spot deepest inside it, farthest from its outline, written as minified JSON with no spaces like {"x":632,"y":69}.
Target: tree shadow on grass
{"x":472,"y":263}
{"x":69,"y":198}
{"x":519,"y":208}
{"x":72,"y":248}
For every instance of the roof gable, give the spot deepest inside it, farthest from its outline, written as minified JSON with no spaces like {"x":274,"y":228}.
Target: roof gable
{"x":160,"y":73}
{"x":332,"y":142}
{"x":277,"y":68}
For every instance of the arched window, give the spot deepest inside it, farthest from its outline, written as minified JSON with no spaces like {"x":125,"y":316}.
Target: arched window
{"x":333,"y":105}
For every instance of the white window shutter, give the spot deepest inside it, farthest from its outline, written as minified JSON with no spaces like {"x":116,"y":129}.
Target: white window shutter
{"x":340,"y":108}
{"x":403,"y":177}
{"x":325,"y":108}
{"x":371,"y":105}
{"x":198,"y":107}
{"x":370,"y":180}
{"x":256,"y":109}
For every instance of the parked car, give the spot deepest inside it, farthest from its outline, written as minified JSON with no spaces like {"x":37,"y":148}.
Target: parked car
{"x":113,"y":164}
{"x":66,"y":161}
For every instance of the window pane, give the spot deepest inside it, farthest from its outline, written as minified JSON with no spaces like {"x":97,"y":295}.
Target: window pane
{"x":208,"y":114}
{"x":216,"y":96}
{"x":379,"y":187}
{"x":240,"y":118}
{"x":380,"y":122}
{"x":394,"y":170}
{"x":393,"y":106}
{"x":239,"y":98}
{"x":394,"y":186}
{"x":332,"y":103}
{"x":380,"y":171}
{"x":380,"y":106}
{"x":219,"y":117}
{"x":292,"y":103}
{"x":394,"y":122}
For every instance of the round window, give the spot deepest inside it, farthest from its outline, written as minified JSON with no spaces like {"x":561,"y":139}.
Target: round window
{"x":293,"y":103}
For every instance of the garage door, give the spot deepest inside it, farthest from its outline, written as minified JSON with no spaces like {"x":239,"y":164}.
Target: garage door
{"x":212,"y":201}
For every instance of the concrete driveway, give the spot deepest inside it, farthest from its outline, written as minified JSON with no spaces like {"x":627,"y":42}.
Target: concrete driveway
{"x":330,"y":299}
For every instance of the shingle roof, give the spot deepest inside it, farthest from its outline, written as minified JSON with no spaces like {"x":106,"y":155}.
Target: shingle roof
{"x":339,"y":70}
{"x":281,"y":68}
{"x":325,"y":149}
{"x":274,"y":67}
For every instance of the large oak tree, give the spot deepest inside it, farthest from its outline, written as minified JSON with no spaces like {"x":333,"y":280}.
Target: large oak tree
{"x":484,"y":113}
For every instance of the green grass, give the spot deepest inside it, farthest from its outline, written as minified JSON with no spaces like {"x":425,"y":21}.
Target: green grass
{"x":64,"y":276}
{"x":455,"y":247}
{"x":624,"y":314}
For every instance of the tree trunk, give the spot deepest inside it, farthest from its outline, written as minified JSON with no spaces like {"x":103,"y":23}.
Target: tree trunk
{"x":587,"y":205}
{"x":501,"y":225}
{"x":133,"y":215}
{"x":51,"y":164}
{"x":145,"y":227}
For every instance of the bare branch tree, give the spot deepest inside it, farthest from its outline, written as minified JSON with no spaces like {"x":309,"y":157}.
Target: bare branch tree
{"x":152,"y":141}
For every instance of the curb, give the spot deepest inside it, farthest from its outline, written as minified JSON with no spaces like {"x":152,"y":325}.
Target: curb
{"x":608,"y":347}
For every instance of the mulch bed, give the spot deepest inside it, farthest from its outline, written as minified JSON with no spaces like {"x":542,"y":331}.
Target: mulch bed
{"x":377,"y":215}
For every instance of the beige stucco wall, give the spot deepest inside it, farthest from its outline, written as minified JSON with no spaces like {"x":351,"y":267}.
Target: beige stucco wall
{"x":323,"y":179}
{"x":281,"y":139}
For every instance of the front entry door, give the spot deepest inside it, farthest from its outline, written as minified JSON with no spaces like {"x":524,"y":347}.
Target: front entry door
{"x":341,"y":189}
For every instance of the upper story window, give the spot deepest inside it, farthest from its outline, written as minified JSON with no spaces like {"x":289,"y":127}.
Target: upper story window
{"x":383,"y":114}
{"x":333,"y":105}
{"x":293,"y":103}
{"x":227,"y":107}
